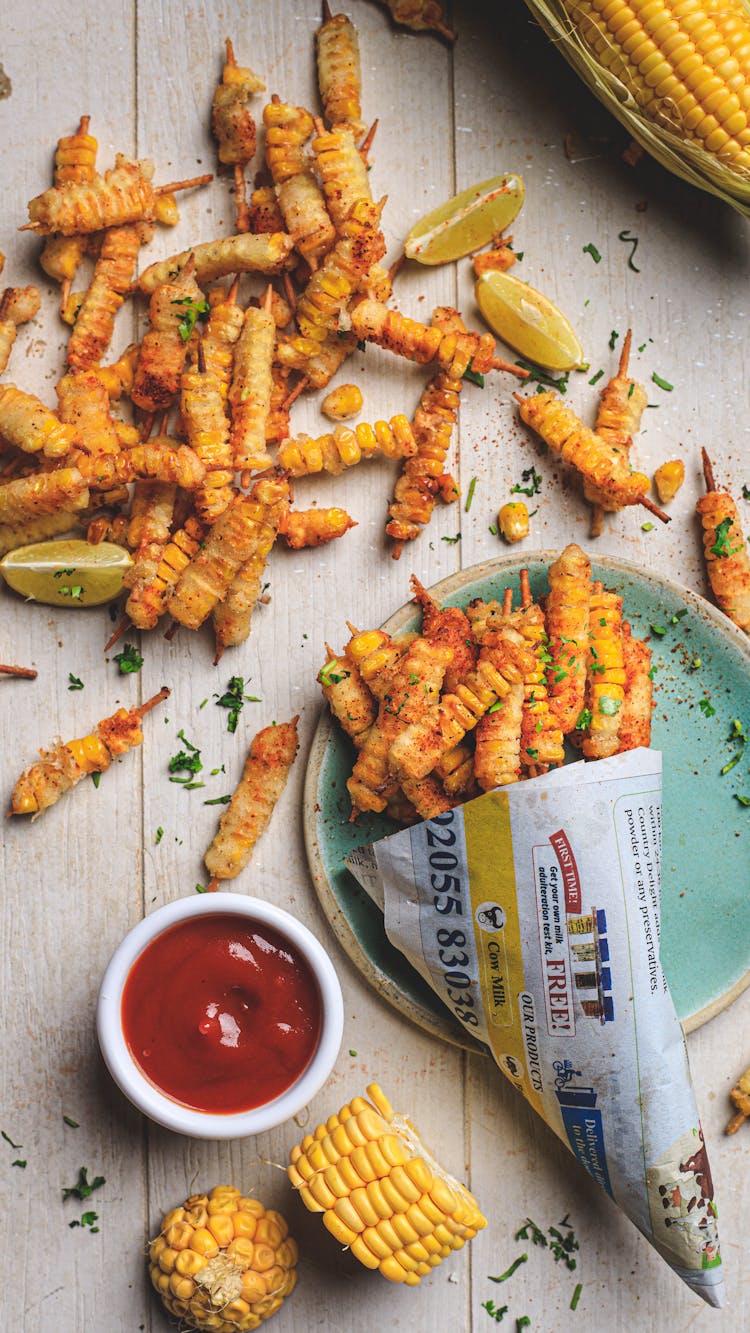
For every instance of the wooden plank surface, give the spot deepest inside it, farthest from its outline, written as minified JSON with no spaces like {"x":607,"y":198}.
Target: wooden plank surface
{"x":75,"y":881}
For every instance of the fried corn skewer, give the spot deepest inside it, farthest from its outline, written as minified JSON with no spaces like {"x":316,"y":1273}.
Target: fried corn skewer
{"x":449,"y":627}
{"x":342,"y":171}
{"x":497,"y":758}
{"x":455,"y":351}
{"x":318,"y":361}
{"x":541,"y":735}
{"x":347,"y":695}
{"x":61,"y":767}
{"x":269,"y":500}
{"x":223,"y":328}
{"x":606,"y":676}
{"x":740,"y":1095}
{"x":246,"y":253}
{"x":302,"y":528}
{"x":635,"y":724}
{"x":567,"y":612}
{"x":39,"y":527}
{"x":29,"y":498}
{"x":339,"y":72}
{"x":83,"y":406}
{"x":148,"y":601}
{"x":359,"y":246}
{"x":299,"y":196}
{"x":234,"y":127}
{"x":622,"y":403}
{"x":207,"y":431}
{"x":151,"y":516}
{"x":27,"y":424}
{"x":725,"y":550}
{"x":344,"y":448}
{"x":164,"y":347}
{"x":122,"y":195}
{"x":18,"y":305}
{"x":251,"y":389}
{"x":271,"y":755}
{"x":110,"y":284}
{"x":75,"y":163}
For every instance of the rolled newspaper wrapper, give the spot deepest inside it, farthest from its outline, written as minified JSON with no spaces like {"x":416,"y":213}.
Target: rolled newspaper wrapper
{"x":534,"y":912}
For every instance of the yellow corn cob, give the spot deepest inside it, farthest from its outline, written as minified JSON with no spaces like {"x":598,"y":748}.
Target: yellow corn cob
{"x":207,"y":432}
{"x":122,"y":195}
{"x":151,"y":515}
{"x":17,"y":306}
{"x":40,"y":528}
{"x":75,"y":163}
{"x":110,"y":284}
{"x":339,"y":73}
{"x":381,"y":1192}
{"x":374,"y":654}
{"x":299,"y":196}
{"x":497,"y":759}
{"x":83,"y":404}
{"x":725,"y":550}
{"x":342,"y":171}
{"x":222,"y":1262}
{"x":164,"y":348}
{"x":635,"y":725}
{"x":344,"y":448}
{"x":222,"y":330}
{"x":348,"y":696}
{"x":160,"y":459}
{"x":319,"y":361}
{"x":453,"y":347}
{"x":251,"y":389}
{"x":117,"y":377}
{"x":456,"y":769}
{"x":313,"y":527}
{"x":28,"y":425}
{"x":244,"y":253}
{"x":602,"y":465}
{"x":43,"y":493}
{"x":231,"y":575}
{"x":147,"y":603}
{"x":360,"y":245}
{"x":567,"y":630}
{"x":605,"y":681}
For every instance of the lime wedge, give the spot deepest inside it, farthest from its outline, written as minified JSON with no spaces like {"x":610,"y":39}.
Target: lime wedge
{"x":527,"y":321}
{"x":466,"y":222}
{"x":71,"y":572}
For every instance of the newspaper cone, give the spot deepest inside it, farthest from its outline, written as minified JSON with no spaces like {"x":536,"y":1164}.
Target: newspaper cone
{"x":550,"y":890}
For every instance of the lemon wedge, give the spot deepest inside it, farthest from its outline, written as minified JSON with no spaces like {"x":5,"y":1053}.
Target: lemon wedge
{"x":70,"y":572}
{"x":466,"y":222}
{"x":527,"y":321}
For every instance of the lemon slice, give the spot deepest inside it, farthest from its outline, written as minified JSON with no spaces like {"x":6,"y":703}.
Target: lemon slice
{"x":466,"y":222}
{"x":527,"y":321}
{"x":66,"y":573}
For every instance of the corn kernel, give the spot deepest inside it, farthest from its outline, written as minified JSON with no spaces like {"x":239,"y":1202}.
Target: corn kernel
{"x":365,"y":1255}
{"x":221,"y":1229}
{"x":513,"y":521}
{"x":204,"y":1243}
{"x":188,"y":1263}
{"x":668,"y":479}
{"x":342,"y":402}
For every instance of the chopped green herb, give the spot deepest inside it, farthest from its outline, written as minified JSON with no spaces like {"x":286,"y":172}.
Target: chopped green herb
{"x":67,"y":572}
{"x":695,"y":664}
{"x":583,"y":721}
{"x":576,"y":1296}
{"x":9,"y":1140}
{"x":329,"y":676}
{"x":192,"y":786}
{"x":745,"y":492}
{"x":83,"y":1188}
{"x":200,"y":888}
{"x":662,"y":384}
{"x":609,"y":707}
{"x":522,"y":1259}
{"x":194,"y":310}
{"x":595,"y":378}
{"x":591,"y":249}
{"x":652,"y":673}
{"x":530,"y":483}
{"x":738,"y":732}
{"x":721,"y":548}
{"x":158,"y":836}
{"x":522,"y":1323}
{"x":642,"y":347}
{"x":219,"y":800}
{"x":678,"y":616}
{"x":562,"y":1247}
{"x":539,"y":376}
{"x":188,"y":744}
{"x":493,"y":529}
{"x":743,"y":800}
{"x":533,"y":754}
{"x":68,"y":1120}
{"x":75,"y":591}
{"x":530,"y":1231}
{"x":495,"y":708}
{"x":20,"y":1161}
{"x":361,"y":345}
{"x":495,"y":1312}
{"x":452,"y":540}
{"x":659,"y":630}
{"x":75,"y":682}
{"x":413,"y":678}
{"x":470,"y":494}
{"x":96,"y":779}
{"x":235,"y":699}
{"x":474,"y":377}
{"x":706,"y":708}
{"x":614,"y":335}
{"x":647,"y":527}
{"x":731,"y":764}
{"x":129,"y":660}
{"x":633,"y":242}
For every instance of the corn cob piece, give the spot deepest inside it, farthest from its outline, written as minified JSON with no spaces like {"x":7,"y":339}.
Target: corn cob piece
{"x":345,"y":448}
{"x":164,"y":348}
{"x":606,"y":676}
{"x":622,"y":404}
{"x":222,"y":330}
{"x":411,"y":698}
{"x":603,"y":466}
{"x":503,"y":660}
{"x":567,"y":631}
{"x":347,"y":695}
{"x":319,"y":361}
{"x":29,"y":498}
{"x":223,"y":1262}
{"x":151,"y":516}
{"x":456,"y":350}
{"x":234,"y":127}
{"x":421,"y":16}
{"x":207,"y":578}
{"x":428,"y":796}
{"x":300,"y":199}
{"x":110,"y":284}
{"x":668,"y":478}
{"x":497,"y":758}
{"x":448,"y":626}
{"x":122,"y":195}
{"x":251,"y":389}
{"x":117,"y":377}
{"x":499,"y":259}
{"x":374,"y":655}
{"x":339,"y":72}
{"x":455,"y":769}
{"x":265,"y":214}
{"x":360,"y":245}
{"x":740,"y":1095}
{"x":245,"y":253}
{"x":268,"y":501}
{"x":725,"y":550}
{"x":159,"y":459}
{"x":381,"y":1192}
{"x":61,"y":767}
{"x":75,"y":163}
{"x":635,"y":725}
{"x":277,"y":421}
{"x":541,"y":735}
{"x":28,"y":425}
{"x":17,"y":306}
{"x":38,"y":529}
{"x":207,"y":431}
{"x":314,"y":527}
{"x":342,"y":171}
{"x":83,"y":405}
{"x":271,"y":755}
{"x":148,"y":601}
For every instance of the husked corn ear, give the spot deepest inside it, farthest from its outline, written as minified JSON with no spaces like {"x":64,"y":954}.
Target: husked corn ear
{"x":222,"y":1262}
{"x":380,"y":1191}
{"x":344,"y":447}
{"x":675,"y":72}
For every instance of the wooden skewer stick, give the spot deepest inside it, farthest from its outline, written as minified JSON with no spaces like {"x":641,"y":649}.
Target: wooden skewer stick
{"x":396,"y":267}
{"x":201,"y":357}
{"x":520,"y":372}
{"x":289,"y":292}
{"x":526,"y":598}
{"x":23,"y":673}
{"x":708,"y":472}
{"x":291,"y":397}
{"x":212,"y":885}
{"x":189,"y":184}
{"x":155,"y":699}
{"x":240,"y":198}
{"x":327,"y":15}
{"x":173,"y":628}
{"x":654,"y":509}
{"x":147,"y":426}
{"x":124,"y":625}
{"x":507,"y":601}
{"x":366,"y":144}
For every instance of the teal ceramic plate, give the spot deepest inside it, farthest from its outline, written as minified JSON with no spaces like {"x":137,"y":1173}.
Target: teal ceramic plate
{"x":703,"y":684}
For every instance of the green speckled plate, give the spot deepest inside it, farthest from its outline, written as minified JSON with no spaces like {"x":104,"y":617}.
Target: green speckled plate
{"x":706,"y":869}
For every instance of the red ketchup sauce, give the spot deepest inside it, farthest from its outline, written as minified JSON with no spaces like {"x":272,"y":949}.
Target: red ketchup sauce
{"x":221,"y":1013}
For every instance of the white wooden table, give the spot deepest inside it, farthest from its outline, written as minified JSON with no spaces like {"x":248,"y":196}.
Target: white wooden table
{"x":75,"y":881}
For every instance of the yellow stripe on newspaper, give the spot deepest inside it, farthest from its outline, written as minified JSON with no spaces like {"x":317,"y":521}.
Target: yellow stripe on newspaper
{"x":494,"y":907}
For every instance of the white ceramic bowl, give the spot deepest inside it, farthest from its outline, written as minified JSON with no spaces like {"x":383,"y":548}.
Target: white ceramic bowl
{"x":163,"y":1109}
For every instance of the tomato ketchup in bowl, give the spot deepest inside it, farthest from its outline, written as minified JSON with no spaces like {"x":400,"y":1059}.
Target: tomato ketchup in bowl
{"x":220,"y":1016}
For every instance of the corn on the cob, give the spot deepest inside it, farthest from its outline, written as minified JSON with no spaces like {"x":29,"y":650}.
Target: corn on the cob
{"x":251,"y":389}
{"x":13,"y":535}
{"x":541,"y":735}
{"x":319,"y":361}
{"x":117,"y":377}
{"x":28,"y":425}
{"x":450,"y":627}
{"x":148,"y":602}
{"x":61,"y":767}
{"x":151,"y":515}
{"x":159,"y":459}
{"x":223,"y":1262}
{"x":207,"y":431}
{"x":83,"y":405}
{"x":567,"y":630}
{"x":164,"y":348}
{"x":29,"y":498}
{"x":222,"y":330}
{"x":348,"y":697}
{"x":75,"y":163}
{"x":122,"y":195}
{"x":454,"y":348}
{"x":668,"y":479}
{"x":380,"y":1191}
{"x":339,"y":73}
{"x":622,"y":404}
{"x":342,"y":171}
{"x":604,"y":466}
{"x":360,"y":245}
{"x":344,"y":448}
{"x":724,"y":548}
{"x":234,"y":127}
{"x":110,"y":284}
{"x":299,"y":196}
{"x":635,"y":726}
{"x":245,"y":253}
{"x":605,"y":681}
{"x":268,"y":501}
{"x":314,"y":527}
{"x":270,"y":757}
{"x":17,"y":306}
{"x":497,"y":758}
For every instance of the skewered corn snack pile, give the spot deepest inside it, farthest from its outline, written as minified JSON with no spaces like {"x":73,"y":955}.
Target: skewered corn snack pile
{"x":380,"y":1191}
{"x":222,"y":1263}
{"x":484,"y":697}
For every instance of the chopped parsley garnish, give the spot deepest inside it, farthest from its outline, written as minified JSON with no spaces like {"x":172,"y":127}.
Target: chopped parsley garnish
{"x":659,"y":630}
{"x":96,"y":779}
{"x":235,"y":699}
{"x":522,"y":1259}
{"x":633,"y":242}
{"x":532,"y":480}
{"x":75,"y":682}
{"x":470,"y":494}
{"x":493,"y":529}
{"x":87,"y":1220}
{"x":219,"y":800}
{"x":530,"y":1231}
{"x":576,"y":1296}
{"x":614,"y":335}
{"x":746,"y":492}
{"x":64,"y":573}
{"x":562,"y":1247}
{"x":185,"y":761}
{"x":591,"y":249}
{"x":533,"y":754}
{"x":743,"y":800}
{"x":452,"y":540}
{"x":609,"y":707}
{"x":158,"y":836}
{"x":678,"y":616}
{"x":129,"y":660}
{"x":495,"y":1312}
{"x":83,"y":1188}
{"x":474,"y":377}
{"x":74,"y":590}
{"x":413,"y":678}
{"x":662,"y":384}
{"x":352,"y":1053}
{"x":200,"y":888}
{"x":194,"y":310}
{"x":332,"y":675}
{"x":721,"y":548}
{"x":522,"y":1323}
{"x":738,"y":732}
{"x":731,"y":764}
{"x":20,"y":1161}
{"x":9,"y":1140}
{"x":68,"y":1120}
{"x":647,"y":527}
{"x":706,"y":707}
{"x":495,"y":708}
{"x":696,"y":664}
{"x":595,"y":378}
{"x":361,"y":345}
{"x":583,"y":722}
